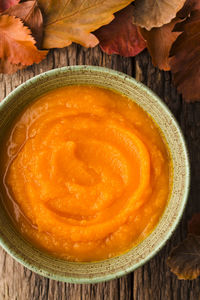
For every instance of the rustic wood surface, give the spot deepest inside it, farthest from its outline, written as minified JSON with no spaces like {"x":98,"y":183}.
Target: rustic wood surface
{"x":153,"y":281}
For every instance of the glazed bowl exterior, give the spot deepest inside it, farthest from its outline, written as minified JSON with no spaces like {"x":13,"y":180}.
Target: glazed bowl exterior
{"x":92,"y":272}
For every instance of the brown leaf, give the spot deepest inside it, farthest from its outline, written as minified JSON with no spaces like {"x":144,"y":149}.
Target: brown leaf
{"x":188,"y":7}
{"x":194,"y":224}
{"x":31,"y":15}
{"x":121,"y":36}
{"x":184,"y":260}
{"x":159,"y":41}
{"x":7,"y":67}
{"x":5,"y":4}
{"x":151,"y":13}
{"x":17,"y":46}
{"x":185,"y":61}
{"x":73,"y":21}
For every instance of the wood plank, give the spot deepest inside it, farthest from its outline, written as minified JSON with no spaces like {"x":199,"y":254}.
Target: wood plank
{"x":154,"y":280}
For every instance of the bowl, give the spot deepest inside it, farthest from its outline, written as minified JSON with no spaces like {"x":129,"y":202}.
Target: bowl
{"x":93,"y":272}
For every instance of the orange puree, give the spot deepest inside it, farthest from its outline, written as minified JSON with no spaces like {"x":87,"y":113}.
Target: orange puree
{"x":85,"y":173}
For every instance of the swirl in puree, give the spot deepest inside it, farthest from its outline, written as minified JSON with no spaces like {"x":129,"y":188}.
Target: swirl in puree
{"x":86,"y":173}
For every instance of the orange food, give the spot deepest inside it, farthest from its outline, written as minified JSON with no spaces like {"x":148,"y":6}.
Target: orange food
{"x":86,"y":173}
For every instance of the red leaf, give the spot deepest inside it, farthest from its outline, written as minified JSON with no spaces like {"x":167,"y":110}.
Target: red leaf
{"x":121,"y":36}
{"x":5,"y":4}
{"x":194,"y":224}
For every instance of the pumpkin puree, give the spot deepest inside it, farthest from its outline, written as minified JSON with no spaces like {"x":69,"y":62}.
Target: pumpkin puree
{"x":86,"y":173}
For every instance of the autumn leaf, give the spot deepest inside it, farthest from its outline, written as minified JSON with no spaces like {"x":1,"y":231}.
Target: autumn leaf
{"x":189,"y":6}
{"x":5,"y":4}
{"x":73,"y":21}
{"x":7,"y":67}
{"x":184,"y":260}
{"x":121,"y":36}
{"x":159,"y":41}
{"x":185,"y":53}
{"x":151,"y":13}
{"x":31,"y":15}
{"x":17,"y":46}
{"x":194,"y":224}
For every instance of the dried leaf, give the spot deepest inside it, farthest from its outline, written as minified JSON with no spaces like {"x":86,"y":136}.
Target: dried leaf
{"x":184,"y":260}
{"x":73,"y":21}
{"x":151,"y":13}
{"x":5,"y":4}
{"x":159,"y":41}
{"x":31,"y":15}
{"x":121,"y":36}
{"x":7,"y":67}
{"x":17,"y":46}
{"x":194,"y":224}
{"x":185,"y":61}
{"x":189,"y":6}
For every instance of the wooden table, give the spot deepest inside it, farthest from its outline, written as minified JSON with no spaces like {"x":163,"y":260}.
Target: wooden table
{"x":154,"y":281}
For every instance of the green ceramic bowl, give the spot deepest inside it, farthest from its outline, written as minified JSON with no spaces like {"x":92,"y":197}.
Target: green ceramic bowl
{"x":58,"y":269}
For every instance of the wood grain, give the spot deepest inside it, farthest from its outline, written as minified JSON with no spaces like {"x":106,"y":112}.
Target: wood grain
{"x":153,"y":281}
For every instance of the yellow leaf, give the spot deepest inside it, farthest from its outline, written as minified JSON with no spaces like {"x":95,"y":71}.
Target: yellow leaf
{"x":68,"y":21}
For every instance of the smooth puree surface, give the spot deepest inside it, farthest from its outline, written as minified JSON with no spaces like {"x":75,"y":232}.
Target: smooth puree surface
{"x":85,"y":173}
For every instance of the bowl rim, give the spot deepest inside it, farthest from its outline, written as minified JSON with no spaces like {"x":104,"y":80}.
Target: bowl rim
{"x":19,"y":258}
